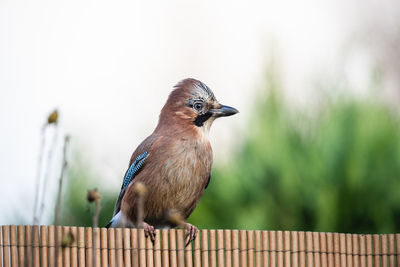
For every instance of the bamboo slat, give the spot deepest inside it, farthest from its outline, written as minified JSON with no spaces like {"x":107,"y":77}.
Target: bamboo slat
{"x":204,"y":248}
{"x":342,"y":250}
{"x":157,"y":249}
{"x":272,"y":247}
{"x":13,"y":246}
{"x":220,"y":248}
{"x":235,"y":248}
{"x":349,"y":251}
{"x":103,"y":247}
{"x":127,"y":248}
{"x":35,"y":244}
{"x":66,"y":245}
{"x":258,"y":249}
{"x":43,"y":246}
{"x":316,"y":249}
{"x":74,"y":247}
{"x":135,"y":247}
{"x":212,"y":247}
{"x":369,"y":250}
{"x":302,"y":249}
{"x":279,"y":247}
{"x":189,"y":254}
{"x":376,"y":246}
{"x":172,"y":246}
{"x":196,"y":252}
{"x":58,"y":248}
{"x":356,"y":250}
{"x":142,"y":247}
{"x":81,"y":246}
{"x":119,"y":247}
{"x":250,"y":249}
{"x":336,"y":249}
{"x":51,"y":232}
{"x":309,"y":249}
{"x":384,"y":250}
{"x":149,"y":252}
{"x":391,"y":250}
{"x":330,"y":249}
{"x":265,"y":248}
{"x":397,"y":237}
{"x":286,"y":243}
{"x":89,"y":247}
{"x":2,"y":245}
{"x":111,"y":247}
{"x":96,"y":247}
{"x":363,"y":251}
{"x":323,"y":249}
{"x":180,"y":244}
{"x":165,"y":248}
{"x":243,"y":248}
{"x":28,"y":245}
{"x":21,"y":246}
{"x":295,"y":249}
{"x":6,"y":244}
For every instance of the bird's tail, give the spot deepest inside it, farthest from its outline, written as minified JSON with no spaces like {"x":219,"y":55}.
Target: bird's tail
{"x":119,"y":221}
{"x":109,"y":224}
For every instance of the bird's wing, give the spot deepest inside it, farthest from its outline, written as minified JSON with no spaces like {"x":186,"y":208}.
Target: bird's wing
{"x":134,"y":169}
{"x":137,"y":163}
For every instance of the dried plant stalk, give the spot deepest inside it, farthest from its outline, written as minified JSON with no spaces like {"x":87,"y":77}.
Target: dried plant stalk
{"x":60,"y":182}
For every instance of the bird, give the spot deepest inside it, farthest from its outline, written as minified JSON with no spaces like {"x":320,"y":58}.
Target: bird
{"x":173,"y":164}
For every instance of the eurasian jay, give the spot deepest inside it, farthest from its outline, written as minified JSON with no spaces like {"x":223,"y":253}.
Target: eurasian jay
{"x":174,"y":162}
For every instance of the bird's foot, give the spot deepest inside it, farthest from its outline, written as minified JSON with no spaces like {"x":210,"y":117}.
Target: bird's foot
{"x":191,"y":232}
{"x":149,"y":231}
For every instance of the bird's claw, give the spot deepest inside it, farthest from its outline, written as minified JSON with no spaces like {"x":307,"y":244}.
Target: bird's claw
{"x":191,"y":233}
{"x":149,"y":231}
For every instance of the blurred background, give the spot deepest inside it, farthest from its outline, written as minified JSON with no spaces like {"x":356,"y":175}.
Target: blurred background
{"x":315,"y":147}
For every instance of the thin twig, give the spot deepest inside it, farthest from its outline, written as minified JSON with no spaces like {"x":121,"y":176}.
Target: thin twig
{"x":96,"y":213}
{"x":64,"y":166}
{"x":51,"y":119}
{"x":47,"y":173}
{"x":39,"y":174}
{"x":94,"y":244}
{"x":94,"y":196}
{"x":141,"y":191}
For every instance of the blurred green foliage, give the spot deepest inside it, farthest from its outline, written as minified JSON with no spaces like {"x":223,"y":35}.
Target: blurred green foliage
{"x":337,"y":169}
{"x":76,"y":210}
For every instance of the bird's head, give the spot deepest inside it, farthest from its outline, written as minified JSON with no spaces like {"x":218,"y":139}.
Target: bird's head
{"x":192,"y":103}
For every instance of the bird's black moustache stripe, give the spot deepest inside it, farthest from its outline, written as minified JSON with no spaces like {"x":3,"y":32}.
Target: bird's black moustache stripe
{"x":199,"y":121}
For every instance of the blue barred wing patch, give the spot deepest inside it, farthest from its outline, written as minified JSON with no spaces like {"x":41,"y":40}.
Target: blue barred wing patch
{"x":134,"y":168}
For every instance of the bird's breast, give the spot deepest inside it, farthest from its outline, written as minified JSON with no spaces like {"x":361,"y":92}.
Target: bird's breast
{"x":182,"y":177}
{"x":189,"y":163}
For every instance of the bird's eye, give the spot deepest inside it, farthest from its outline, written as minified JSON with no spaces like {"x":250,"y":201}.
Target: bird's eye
{"x":198,"y":106}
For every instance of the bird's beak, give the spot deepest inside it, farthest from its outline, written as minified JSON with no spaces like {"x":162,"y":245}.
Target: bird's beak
{"x":223,"y":111}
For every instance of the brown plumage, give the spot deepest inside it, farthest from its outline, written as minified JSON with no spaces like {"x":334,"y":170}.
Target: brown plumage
{"x":178,"y":165}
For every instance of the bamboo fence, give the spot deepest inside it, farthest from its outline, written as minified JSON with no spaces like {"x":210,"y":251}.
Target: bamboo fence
{"x":100,"y":247}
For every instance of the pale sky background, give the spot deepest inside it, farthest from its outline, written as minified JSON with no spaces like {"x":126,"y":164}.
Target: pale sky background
{"x":108,"y":66}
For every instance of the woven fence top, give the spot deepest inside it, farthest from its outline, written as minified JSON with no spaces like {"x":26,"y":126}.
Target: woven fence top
{"x":80,"y":246}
